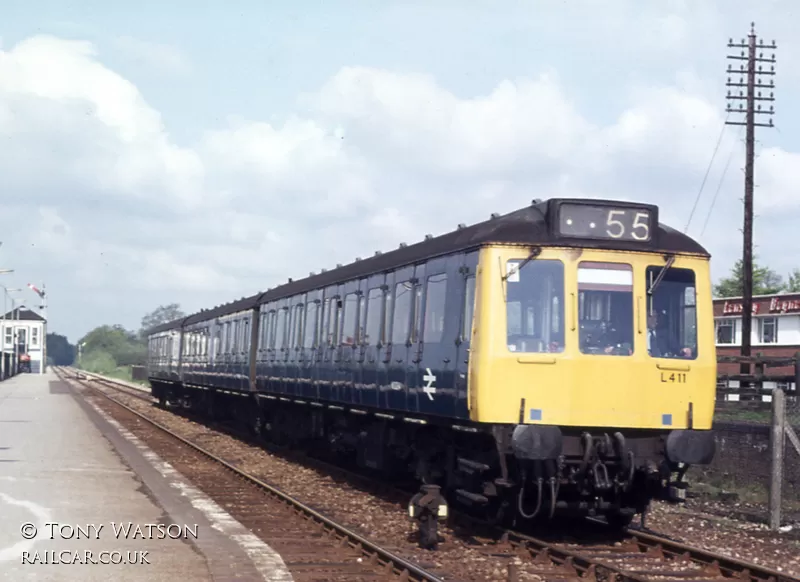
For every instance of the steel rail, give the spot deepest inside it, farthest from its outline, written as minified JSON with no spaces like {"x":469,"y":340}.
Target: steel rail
{"x":372,"y":550}
{"x":729,"y":567}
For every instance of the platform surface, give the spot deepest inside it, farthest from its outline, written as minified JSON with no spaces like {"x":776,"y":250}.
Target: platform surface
{"x":62,"y":462}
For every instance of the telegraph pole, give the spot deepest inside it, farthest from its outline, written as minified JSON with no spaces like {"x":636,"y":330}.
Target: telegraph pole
{"x":752,"y":87}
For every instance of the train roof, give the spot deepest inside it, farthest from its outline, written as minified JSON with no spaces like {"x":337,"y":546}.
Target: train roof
{"x":531,"y":225}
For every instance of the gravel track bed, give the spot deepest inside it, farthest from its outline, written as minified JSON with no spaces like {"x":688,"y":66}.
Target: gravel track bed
{"x":467,"y":556}
{"x":751,"y":542}
{"x":459,"y":557}
{"x":309,"y":554}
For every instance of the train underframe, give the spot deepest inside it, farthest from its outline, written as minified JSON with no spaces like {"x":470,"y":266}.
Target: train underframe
{"x":505,"y":473}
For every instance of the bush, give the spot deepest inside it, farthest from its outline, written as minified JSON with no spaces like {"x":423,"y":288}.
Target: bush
{"x":98,"y":362}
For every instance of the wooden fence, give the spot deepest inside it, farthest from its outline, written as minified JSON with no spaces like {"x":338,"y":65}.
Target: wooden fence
{"x":772,"y":383}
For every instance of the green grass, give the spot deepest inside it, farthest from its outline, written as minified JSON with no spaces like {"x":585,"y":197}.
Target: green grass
{"x":112,"y":371}
{"x":744,"y":415}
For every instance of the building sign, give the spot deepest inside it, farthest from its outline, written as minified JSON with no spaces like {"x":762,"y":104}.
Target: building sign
{"x":735,"y":308}
{"x":776,"y":305}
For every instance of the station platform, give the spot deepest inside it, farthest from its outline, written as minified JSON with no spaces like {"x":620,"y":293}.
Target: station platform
{"x":65,"y":465}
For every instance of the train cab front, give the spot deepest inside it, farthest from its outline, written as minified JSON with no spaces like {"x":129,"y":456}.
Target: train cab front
{"x":606,"y":360}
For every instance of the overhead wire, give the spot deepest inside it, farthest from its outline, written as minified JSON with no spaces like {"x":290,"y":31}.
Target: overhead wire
{"x":721,"y":179}
{"x":708,"y":170}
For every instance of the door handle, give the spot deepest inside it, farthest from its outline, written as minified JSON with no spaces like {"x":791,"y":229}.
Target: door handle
{"x":674,"y":367}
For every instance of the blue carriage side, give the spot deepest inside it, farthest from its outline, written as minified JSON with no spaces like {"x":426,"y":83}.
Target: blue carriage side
{"x":395,"y":341}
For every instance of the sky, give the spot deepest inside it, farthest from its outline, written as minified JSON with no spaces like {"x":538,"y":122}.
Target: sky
{"x":179,"y":152}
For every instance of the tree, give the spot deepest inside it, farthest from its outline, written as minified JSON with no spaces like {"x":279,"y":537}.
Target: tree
{"x":765,"y":282}
{"x":111,"y":345}
{"x":164,"y":314}
{"x":793,"y":286}
{"x":59,"y":351}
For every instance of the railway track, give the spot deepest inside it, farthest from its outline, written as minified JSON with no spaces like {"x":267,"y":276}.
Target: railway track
{"x":290,"y":527}
{"x":638,"y":556}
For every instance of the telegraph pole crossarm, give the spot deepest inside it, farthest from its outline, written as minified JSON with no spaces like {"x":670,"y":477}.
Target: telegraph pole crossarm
{"x":749,"y":99}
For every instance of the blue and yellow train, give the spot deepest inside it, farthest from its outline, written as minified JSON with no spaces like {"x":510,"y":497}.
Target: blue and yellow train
{"x":557,"y":360}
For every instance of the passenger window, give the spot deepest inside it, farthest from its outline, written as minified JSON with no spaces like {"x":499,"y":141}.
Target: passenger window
{"x":672,"y":314}
{"x":264,"y":339}
{"x":325,"y":323}
{"x":605,"y":308}
{"x":280,"y":328}
{"x":416,"y":314}
{"x":348,"y":336}
{"x":288,"y":323}
{"x":534,"y":306}
{"x":312,"y":310}
{"x":469,"y":307}
{"x":270,"y":330}
{"x":300,"y":325}
{"x":387,"y":317}
{"x":336,"y":322}
{"x":372,"y":330}
{"x":402,"y":312}
{"x":362,"y":319}
{"x":297,"y":326}
{"x":435,"y":295}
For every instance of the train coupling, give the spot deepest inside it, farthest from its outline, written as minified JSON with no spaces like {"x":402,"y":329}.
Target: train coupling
{"x":428,"y":507}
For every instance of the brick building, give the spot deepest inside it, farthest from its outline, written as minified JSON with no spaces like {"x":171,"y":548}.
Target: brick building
{"x":775,"y":330}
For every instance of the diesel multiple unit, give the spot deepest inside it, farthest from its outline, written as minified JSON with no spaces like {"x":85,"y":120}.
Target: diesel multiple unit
{"x":557,"y":360}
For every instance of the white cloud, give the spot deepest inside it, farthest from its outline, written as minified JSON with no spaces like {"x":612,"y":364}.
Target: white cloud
{"x":114,"y":214}
{"x":89,"y":128}
{"x":157,"y":55}
{"x":415,"y":122}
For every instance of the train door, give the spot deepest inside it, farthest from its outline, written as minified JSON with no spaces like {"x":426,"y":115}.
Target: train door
{"x":344,"y":355}
{"x":216,"y":351}
{"x":175,"y":356}
{"x":374,"y":341}
{"x":295,"y":338}
{"x":360,"y":346}
{"x":436,"y":349}
{"x":403,"y":295}
{"x":186,"y":360}
{"x":269,"y":357}
{"x":282,"y":324}
{"x":331,"y":313}
{"x":313,"y":311}
{"x":233,"y":353}
{"x":466,"y":266}
{"x":244,"y":352}
{"x":205,"y":359}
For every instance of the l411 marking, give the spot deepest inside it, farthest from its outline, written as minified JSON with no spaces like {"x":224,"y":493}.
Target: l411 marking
{"x":673,"y":378}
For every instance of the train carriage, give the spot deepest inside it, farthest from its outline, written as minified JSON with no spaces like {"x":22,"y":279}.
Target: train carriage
{"x":556,"y":360}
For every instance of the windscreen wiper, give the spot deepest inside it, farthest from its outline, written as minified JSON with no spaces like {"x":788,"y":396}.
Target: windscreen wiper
{"x":514,"y":270}
{"x":670,"y":259}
